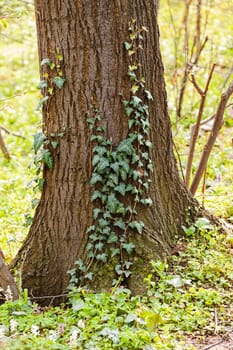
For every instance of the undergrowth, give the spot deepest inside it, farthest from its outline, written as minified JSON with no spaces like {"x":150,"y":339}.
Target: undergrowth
{"x":186,"y":294}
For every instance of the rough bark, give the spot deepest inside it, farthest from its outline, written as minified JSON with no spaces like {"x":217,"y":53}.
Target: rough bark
{"x":90,"y":35}
{"x":7,"y":282}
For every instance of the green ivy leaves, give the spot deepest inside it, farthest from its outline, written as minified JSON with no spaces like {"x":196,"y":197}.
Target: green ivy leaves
{"x":121,"y":175}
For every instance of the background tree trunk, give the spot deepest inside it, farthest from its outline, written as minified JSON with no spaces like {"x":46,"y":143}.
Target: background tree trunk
{"x":90,"y":36}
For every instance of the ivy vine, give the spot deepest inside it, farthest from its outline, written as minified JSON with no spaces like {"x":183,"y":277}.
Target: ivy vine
{"x":120,"y":177}
{"x":52,"y":78}
{"x":44,"y":144}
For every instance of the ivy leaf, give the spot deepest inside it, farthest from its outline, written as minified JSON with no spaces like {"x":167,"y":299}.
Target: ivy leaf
{"x":112,"y":238}
{"x":150,"y":167}
{"x":138,"y":225}
{"x":133,"y":67}
{"x":128,"y":264}
{"x":81,"y":265}
{"x":121,"y":189}
{"x":103,"y":223}
{"x":127,"y":273}
{"x":35,"y":202}
{"x":114,"y":252}
{"x":46,"y":61}
{"x":123,"y":174}
{"x":59,"y":82}
{"x":95,"y":178}
{"x":89,"y":276}
{"x":132,"y":76}
{"x":94,"y":237}
{"x":148,"y":143}
{"x":135,"y":101}
{"x":129,"y":247}
{"x":95,"y":159}
{"x":91,"y":228}
{"x":140,"y":139}
{"x":39,"y":138}
{"x":134,"y":88}
{"x":114,"y":178}
{"x":135,"y":175}
{"x":118,"y":269}
{"x":41,"y":183}
{"x":41,"y":102}
{"x":121,"y":224}
{"x":103,"y":165}
{"x":135,"y":158}
{"x":145,"y":155}
{"x":131,"y":122}
{"x":148,"y":95}
{"x":96,"y":212}
{"x":129,"y":188}
{"x":102,"y":257}
{"x":112,"y":203}
{"x":54,"y":144}
{"x":106,"y":230}
{"x":126,"y":147}
{"x":42,"y":84}
{"x":125,"y":165}
{"x":89,"y":246}
{"x":127,"y":45}
{"x":100,"y":150}
{"x":115,"y":166}
{"x":128,"y":111}
{"x":96,"y":195}
{"x":131,"y":52}
{"x":47,"y":158}
{"x":99,"y":246}
{"x":147,"y":201}
{"x":91,"y":121}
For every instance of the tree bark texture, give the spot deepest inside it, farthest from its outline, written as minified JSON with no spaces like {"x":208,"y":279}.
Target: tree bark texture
{"x":90,"y":36}
{"x":7,"y":282}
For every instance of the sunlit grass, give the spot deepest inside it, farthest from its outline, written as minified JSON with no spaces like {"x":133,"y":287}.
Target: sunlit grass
{"x":18,"y":100}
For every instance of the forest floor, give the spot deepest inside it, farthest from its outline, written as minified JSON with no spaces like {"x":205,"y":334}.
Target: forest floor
{"x":217,"y":342}
{"x":189,"y":302}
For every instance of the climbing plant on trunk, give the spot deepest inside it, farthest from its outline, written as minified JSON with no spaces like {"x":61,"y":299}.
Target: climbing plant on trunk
{"x":95,"y":84}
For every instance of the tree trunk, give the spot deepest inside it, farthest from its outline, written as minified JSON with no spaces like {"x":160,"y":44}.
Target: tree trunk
{"x":90,"y":36}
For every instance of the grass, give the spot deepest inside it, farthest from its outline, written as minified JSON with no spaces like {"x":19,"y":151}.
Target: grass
{"x":18,"y":98}
{"x":189,"y":295}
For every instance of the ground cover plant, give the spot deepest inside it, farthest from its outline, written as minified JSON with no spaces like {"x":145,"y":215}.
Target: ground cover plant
{"x":189,"y":295}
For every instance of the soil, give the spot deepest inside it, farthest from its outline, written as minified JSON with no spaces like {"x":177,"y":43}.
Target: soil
{"x":215,"y":342}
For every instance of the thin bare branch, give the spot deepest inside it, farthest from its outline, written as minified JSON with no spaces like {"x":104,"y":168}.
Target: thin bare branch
{"x":194,"y":136}
{"x":12,"y":133}
{"x":3,"y":147}
{"x":200,"y":51}
{"x":197,"y":87}
{"x":212,"y":138}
